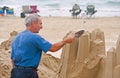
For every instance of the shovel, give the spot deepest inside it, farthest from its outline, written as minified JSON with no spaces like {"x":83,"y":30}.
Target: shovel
{"x":79,"y":33}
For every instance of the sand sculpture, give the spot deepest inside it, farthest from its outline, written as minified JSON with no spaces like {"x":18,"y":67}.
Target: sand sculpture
{"x":82,"y":59}
{"x":86,"y":57}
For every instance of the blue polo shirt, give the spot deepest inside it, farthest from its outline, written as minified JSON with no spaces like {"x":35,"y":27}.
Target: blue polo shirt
{"x":27,"y":49}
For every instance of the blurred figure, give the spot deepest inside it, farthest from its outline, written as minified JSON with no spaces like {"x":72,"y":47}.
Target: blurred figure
{"x":75,"y":10}
{"x":5,"y":9}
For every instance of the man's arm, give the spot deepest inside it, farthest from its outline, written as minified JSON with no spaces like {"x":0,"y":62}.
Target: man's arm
{"x":59,"y":45}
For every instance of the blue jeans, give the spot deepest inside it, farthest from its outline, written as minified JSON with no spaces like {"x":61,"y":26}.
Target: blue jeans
{"x":23,"y":73}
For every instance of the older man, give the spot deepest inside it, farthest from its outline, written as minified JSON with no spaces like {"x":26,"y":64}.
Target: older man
{"x":27,"y":48}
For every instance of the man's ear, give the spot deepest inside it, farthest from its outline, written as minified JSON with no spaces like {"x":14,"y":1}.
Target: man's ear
{"x":33,"y":24}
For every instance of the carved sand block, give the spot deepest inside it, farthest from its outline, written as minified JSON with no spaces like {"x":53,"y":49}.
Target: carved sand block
{"x":82,"y":54}
{"x":118,"y":51}
{"x":97,"y":42}
{"x":83,"y":47}
{"x":109,"y":63}
{"x":92,"y":62}
{"x":116,"y":72}
{"x":68,"y":56}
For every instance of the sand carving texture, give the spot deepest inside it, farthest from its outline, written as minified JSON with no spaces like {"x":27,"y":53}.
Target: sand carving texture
{"x":48,"y":66}
{"x":5,"y":45}
{"x":86,"y":57}
{"x":5,"y":65}
{"x":116,"y":68}
{"x":81,"y":58}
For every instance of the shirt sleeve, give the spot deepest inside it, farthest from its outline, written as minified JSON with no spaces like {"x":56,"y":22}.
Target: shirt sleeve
{"x":42,"y":44}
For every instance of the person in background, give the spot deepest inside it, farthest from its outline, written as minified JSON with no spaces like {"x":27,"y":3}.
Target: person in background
{"x":27,"y":48}
{"x":5,"y":9}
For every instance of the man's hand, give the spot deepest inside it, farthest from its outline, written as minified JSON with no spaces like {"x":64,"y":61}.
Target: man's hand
{"x":56,"y":46}
{"x":69,"y":39}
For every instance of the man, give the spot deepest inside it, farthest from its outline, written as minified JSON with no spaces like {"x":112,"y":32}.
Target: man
{"x":27,"y":49}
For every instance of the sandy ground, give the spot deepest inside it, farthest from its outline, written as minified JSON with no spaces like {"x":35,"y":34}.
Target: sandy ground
{"x":55,"y":28}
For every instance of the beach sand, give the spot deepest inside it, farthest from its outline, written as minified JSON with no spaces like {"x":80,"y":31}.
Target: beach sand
{"x":55,"y":28}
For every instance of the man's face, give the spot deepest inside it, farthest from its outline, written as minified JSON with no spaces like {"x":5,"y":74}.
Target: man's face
{"x":37,"y":26}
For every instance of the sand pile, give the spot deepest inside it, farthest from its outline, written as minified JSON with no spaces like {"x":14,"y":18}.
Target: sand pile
{"x":5,"y":62}
{"x":5,"y":45}
{"x":48,"y":67}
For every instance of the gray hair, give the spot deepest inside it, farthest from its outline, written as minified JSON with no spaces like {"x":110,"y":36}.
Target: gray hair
{"x":31,"y":18}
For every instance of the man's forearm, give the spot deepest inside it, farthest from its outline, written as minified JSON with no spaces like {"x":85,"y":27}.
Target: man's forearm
{"x":57,"y":46}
